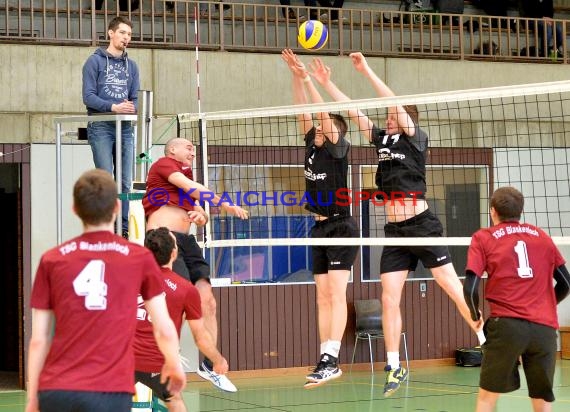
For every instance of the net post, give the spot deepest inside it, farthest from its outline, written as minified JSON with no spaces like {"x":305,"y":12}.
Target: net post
{"x":119,"y":173}
{"x":58,"y":183}
{"x":144,"y":133}
{"x":202,"y":135}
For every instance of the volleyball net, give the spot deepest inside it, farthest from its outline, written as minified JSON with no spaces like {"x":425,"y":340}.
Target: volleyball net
{"x":479,"y":140}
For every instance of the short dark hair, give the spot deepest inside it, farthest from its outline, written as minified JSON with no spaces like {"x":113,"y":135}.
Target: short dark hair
{"x":340,"y":123}
{"x":95,"y":197}
{"x":114,"y":24}
{"x":160,"y":243}
{"x":508,"y":202}
{"x":412,"y":111}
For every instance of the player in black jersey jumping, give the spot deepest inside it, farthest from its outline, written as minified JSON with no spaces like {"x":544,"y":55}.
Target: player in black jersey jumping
{"x":326,"y":171}
{"x":402,"y":149}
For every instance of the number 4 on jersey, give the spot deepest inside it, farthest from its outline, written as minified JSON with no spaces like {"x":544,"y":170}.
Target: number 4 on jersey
{"x":91,"y":283}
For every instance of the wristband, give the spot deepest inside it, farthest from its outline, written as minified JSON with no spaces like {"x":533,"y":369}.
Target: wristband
{"x":307,"y":79}
{"x":481,"y":337}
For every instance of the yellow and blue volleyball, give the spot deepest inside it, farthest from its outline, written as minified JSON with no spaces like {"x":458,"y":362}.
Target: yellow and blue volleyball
{"x":313,"y":35}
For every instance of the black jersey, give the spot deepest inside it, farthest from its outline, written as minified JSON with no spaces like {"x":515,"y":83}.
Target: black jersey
{"x":326,"y":171}
{"x":401,"y":162}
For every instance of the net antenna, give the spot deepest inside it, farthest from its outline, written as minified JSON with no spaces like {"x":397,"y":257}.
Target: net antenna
{"x":201,"y":124}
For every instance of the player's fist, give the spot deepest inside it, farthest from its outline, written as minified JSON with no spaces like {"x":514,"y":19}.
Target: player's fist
{"x":199,"y":218}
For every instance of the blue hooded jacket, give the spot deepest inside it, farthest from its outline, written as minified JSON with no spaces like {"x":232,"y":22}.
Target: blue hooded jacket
{"x":109,"y":80}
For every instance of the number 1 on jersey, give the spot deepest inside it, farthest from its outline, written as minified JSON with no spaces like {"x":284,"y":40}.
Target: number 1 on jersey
{"x":91,"y":283}
{"x":524,"y":269}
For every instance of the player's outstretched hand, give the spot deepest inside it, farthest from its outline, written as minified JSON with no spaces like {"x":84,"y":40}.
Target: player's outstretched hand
{"x":236,"y":211}
{"x":295,"y":65}
{"x":359,"y":62}
{"x":174,"y":377}
{"x":319,"y":71}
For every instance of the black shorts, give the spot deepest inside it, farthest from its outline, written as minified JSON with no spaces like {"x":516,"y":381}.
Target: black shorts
{"x":397,"y":258}
{"x":83,"y":401}
{"x":190,"y":263}
{"x":507,"y":340}
{"x":327,"y":258}
{"x":152,"y":380}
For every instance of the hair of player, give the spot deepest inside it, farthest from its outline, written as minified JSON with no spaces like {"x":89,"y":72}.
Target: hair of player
{"x":340,"y":123}
{"x":95,"y":197}
{"x":160,"y":243}
{"x":114,"y":24}
{"x":508,"y":202}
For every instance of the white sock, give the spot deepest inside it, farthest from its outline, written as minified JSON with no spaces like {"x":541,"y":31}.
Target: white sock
{"x":333,"y":348}
{"x":393,"y":360}
{"x":324,"y":347}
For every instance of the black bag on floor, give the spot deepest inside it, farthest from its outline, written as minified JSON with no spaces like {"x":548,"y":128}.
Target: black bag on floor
{"x":469,"y":356}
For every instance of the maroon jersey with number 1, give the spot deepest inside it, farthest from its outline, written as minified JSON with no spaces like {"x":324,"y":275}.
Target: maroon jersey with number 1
{"x":520,"y":260}
{"x":91,"y":284}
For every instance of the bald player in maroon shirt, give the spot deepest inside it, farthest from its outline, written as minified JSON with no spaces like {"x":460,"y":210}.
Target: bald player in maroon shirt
{"x":87,"y":289}
{"x":521,"y":262}
{"x":171,"y":201}
{"x":183,"y":301}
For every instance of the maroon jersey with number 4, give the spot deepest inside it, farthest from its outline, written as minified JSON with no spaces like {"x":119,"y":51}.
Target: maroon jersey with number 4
{"x":183,"y":301}
{"x":159,"y":191}
{"x":91,"y":284}
{"x":520,"y":260}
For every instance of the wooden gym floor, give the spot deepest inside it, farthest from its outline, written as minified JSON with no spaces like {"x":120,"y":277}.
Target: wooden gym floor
{"x":430,"y":388}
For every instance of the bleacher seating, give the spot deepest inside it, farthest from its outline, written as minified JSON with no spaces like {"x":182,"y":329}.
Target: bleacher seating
{"x":376,"y":27}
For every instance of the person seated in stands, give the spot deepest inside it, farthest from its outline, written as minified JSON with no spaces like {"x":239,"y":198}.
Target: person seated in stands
{"x":496,"y":8}
{"x":336,"y":5}
{"x":287,"y":12}
{"x":543,"y":9}
{"x":123,"y":5}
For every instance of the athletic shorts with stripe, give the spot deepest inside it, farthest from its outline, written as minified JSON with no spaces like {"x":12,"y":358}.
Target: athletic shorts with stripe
{"x":397,"y":258}
{"x":339,"y":257}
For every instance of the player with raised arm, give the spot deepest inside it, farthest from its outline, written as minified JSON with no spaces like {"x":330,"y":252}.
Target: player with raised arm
{"x":402,"y":151}
{"x":326,"y":171}
{"x":87,"y":289}
{"x":171,"y":178}
{"x":521,"y":262}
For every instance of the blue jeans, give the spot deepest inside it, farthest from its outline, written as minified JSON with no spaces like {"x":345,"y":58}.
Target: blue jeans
{"x":549,"y":36}
{"x":101,"y":137}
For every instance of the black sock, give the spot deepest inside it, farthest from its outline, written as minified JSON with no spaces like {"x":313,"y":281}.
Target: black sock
{"x":330,"y":359}
{"x":208,"y":363}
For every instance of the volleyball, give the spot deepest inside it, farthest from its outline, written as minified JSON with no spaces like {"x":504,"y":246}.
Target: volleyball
{"x":313,"y":35}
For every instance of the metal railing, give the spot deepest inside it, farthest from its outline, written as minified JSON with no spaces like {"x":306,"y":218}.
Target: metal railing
{"x":269,"y":28}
